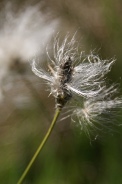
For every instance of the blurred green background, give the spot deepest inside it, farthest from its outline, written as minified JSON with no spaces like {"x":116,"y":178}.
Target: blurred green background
{"x":69,"y":157}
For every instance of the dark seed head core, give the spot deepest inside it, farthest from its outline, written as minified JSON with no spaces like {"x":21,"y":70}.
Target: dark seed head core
{"x":65,"y":73}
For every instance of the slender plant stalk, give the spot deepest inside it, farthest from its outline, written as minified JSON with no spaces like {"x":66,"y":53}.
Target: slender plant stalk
{"x":56,"y":115}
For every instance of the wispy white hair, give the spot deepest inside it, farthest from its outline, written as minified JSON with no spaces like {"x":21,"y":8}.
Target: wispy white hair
{"x":99,"y":111}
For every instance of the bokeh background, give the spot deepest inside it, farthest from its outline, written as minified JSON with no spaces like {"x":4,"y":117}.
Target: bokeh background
{"x":70,"y":156}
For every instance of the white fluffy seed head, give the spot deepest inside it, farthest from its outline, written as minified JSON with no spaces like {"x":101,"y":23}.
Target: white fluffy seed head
{"x":72,"y":76}
{"x":67,"y":74}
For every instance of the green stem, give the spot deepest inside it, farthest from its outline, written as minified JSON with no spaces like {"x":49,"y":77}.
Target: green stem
{"x":56,"y":115}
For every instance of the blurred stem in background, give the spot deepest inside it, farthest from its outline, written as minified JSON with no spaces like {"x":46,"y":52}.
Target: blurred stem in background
{"x":56,"y":115}
{"x":36,"y":95}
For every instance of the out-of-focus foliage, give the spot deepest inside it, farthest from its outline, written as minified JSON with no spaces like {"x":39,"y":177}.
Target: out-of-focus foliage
{"x":69,"y":156}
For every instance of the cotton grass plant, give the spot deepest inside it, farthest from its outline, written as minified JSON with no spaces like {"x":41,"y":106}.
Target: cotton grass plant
{"x":21,"y":35}
{"x":80,"y":82}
